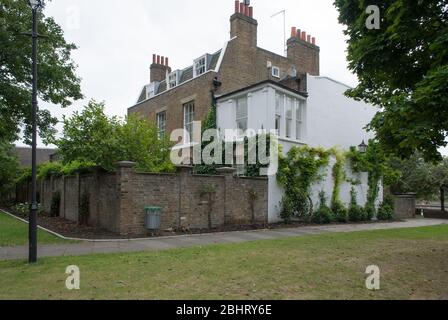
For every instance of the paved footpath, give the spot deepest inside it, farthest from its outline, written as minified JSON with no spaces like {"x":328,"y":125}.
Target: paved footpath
{"x":91,"y":247}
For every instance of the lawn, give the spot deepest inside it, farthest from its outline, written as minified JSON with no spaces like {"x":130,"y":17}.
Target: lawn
{"x":413,"y":263}
{"x":15,"y":233}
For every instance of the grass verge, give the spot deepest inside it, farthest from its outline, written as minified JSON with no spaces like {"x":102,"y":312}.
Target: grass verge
{"x":413,"y":264}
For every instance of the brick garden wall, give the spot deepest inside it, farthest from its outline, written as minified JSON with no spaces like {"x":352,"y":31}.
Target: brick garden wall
{"x":117,"y":200}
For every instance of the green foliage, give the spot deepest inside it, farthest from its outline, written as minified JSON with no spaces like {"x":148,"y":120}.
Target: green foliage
{"x":340,"y":212}
{"x":339,"y":177}
{"x":91,"y":138}
{"x":376,"y":163}
{"x":297,"y":172}
{"x":355,"y":212}
{"x":403,"y":68}
{"x":9,"y":169}
{"x":24,"y":175}
{"x":385,"y":212}
{"x":23,"y":209}
{"x":55,"y":204}
{"x":49,"y":169}
{"x":138,"y":141}
{"x":76,"y":166}
{"x":323,"y":215}
{"x":57,"y":81}
{"x":419,"y":176}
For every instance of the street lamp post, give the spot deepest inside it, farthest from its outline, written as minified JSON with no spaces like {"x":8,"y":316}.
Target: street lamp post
{"x":32,"y":257}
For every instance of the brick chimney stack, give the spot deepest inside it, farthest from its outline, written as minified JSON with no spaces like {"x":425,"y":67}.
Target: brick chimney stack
{"x":243,"y":25}
{"x":159,"y":68}
{"x":303,"y":50}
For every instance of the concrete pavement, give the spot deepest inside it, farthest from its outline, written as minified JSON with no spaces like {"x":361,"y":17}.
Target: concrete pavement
{"x":120,"y":246}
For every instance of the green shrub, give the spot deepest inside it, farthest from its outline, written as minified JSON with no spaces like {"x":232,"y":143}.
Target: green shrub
{"x":340,"y":213}
{"x":323,"y":215}
{"x":385,"y":212}
{"x":23,"y":209}
{"x":370,"y":212}
{"x":49,"y":169}
{"x":355,"y":212}
{"x":77,"y":167}
{"x":55,"y":204}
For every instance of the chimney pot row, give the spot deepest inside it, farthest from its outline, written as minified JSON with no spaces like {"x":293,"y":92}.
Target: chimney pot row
{"x":245,"y":9}
{"x":157,"y":59}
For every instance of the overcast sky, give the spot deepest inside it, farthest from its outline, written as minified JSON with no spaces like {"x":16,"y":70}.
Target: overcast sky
{"x":117,"y":38}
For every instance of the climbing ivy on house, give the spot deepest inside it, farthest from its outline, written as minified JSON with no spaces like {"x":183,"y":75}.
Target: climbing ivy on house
{"x":297,"y":172}
{"x":375,"y":162}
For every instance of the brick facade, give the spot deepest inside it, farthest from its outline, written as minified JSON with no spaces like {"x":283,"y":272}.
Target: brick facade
{"x":117,"y":200}
{"x":243,"y":64}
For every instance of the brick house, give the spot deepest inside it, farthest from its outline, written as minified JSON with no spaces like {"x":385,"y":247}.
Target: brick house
{"x":258,"y":89}
{"x":174,"y":98}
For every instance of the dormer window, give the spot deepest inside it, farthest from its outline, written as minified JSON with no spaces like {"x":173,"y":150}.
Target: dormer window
{"x":173,"y":79}
{"x":200,"y":66}
{"x":151,"y":90}
{"x":276,"y":72}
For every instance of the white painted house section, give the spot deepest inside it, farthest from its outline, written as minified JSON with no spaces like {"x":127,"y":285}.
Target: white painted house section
{"x":327,"y":118}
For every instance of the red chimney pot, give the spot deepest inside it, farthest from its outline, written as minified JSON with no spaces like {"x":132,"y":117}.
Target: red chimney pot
{"x":242,"y":7}
{"x":313,"y":40}
{"x":153,"y":58}
{"x":158,"y":59}
{"x":237,"y":6}
{"x":251,"y":12}
{"x":308,"y":38}
{"x":293,"y":32}
{"x":166,"y":61}
{"x":303,"y":35}
{"x":246,"y":9}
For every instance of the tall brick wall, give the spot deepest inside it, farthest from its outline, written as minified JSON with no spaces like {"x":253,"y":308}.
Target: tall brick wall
{"x":185,"y":199}
{"x":117,"y":201}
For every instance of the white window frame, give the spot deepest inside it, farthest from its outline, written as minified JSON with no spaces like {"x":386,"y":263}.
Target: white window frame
{"x":279,"y":110}
{"x":244,"y":117}
{"x":289,"y":120}
{"x":276,"y":72}
{"x":161,"y":124}
{"x":170,"y":80}
{"x":200,"y":66}
{"x":188,"y":109}
{"x":300,"y":121}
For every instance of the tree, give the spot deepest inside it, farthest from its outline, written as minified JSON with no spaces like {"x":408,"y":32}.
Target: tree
{"x":57,"y":81}
{"x":92,"y":137}
{"x":138,"y":141}
{"x":403,"y":68}
{"x":9,"y":168}
{"x":419,"y":176}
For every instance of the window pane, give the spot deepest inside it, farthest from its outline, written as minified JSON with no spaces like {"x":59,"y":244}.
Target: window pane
{"x":278,"y":104}
{"x":188,"y":119}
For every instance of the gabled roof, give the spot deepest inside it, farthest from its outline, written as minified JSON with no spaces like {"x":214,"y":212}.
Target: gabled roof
{"x":185,"y":75}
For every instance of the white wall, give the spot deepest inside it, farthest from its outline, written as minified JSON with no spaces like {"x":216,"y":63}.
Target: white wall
{"x":332,"y":120}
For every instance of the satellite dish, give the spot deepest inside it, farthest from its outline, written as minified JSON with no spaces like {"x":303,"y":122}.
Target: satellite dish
{"x":247,"y":2}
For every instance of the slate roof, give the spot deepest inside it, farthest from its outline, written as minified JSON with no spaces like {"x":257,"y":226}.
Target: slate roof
{"x":185,"y":75}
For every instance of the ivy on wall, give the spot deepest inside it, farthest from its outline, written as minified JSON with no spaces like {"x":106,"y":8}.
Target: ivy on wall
{"x":302,"y":167}
{"x":375,"y":162}
{"x":297,"y":172}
